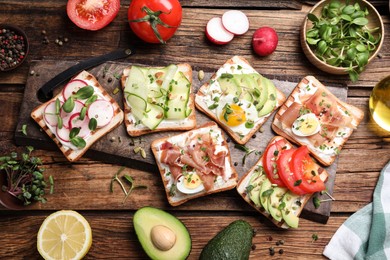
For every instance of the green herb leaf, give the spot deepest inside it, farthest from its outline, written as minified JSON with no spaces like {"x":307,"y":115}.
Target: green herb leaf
{"x":316,"y":202}
{"x":59,"y":122}
{"x":84,"y":92}
{"x":69,"y":104}
{"x":92,"y":124}
{"x":312,"y":17}
{"x":78,"y":142}
{"x":360,"y":21}
{"x":267,"y":193}
{"x":83,"y":112}
{"x":24,"y":129}
{"x":58,"y":106}
{"x":226,"y":76}
{"x":213,"y":106}
{"x":90,"y":100}
{"x":74,"y":132}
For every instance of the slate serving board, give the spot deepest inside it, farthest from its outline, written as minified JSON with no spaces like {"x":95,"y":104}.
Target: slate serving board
{"x":117,"y":146}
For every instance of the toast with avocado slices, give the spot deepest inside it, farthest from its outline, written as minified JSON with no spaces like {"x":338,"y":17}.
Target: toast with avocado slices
{"x":79,"y":115}
{"x":282,"y":181}
{"x":313,"y":116}
{"x":194,"y":164}
{"x":239,"y":99}
{"x":158,"y":99}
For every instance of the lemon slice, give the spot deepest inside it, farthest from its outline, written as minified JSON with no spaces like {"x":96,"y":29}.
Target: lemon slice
{"x":64,"y":235}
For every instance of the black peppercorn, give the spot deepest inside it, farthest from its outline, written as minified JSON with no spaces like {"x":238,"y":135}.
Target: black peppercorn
{"x":12,"y":49}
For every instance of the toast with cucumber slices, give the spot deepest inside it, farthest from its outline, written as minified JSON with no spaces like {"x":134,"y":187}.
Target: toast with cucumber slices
{"x":158,"y":99}
{"x":282,"y":181}
{"x":239,"y":99}
{"x":79,"y":115}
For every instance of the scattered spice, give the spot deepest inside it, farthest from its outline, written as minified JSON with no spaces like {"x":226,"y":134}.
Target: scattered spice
{"x":201,"y":75}
{"x":115,"y":91}
{"x":253,"y":246}
{"x":281,"y":251}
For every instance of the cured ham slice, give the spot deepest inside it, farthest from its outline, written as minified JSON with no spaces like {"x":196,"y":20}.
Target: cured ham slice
{"x":207,"y":180}
{"x":291,"y":114}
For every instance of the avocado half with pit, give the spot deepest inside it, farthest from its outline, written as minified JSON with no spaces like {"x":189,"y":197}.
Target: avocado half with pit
{"x":161,"y":234}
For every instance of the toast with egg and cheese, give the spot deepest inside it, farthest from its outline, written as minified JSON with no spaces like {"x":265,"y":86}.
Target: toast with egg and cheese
{"x":313,"y":116}
{"x":158,"y":99}
{"x":194,"y":164}
{"x":239,"y":99}
{"x":94,"y":114}
{"x":281,"y":200}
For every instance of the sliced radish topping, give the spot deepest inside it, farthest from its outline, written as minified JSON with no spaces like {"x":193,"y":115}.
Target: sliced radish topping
{"x":72,"y":87}
{"x":235,"y":22}
{"x":66,"y":116}
{"x":216,"y":33}
{"x":75,"y":121}
{"x":50,"y":113}
{"x":63,"y":134}
{"x":102,"y":111}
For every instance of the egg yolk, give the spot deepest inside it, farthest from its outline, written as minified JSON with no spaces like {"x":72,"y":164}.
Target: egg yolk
{"x":308,"y":126}
{"x":233,"y":115}
{"x":192,"y":181}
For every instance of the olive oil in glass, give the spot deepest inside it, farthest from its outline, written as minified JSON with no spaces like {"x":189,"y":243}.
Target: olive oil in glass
{"x":380,"y":103}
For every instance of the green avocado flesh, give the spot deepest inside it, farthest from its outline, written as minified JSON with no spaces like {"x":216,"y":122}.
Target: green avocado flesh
{"x":233,"y":242}
{"x":145,"y":219}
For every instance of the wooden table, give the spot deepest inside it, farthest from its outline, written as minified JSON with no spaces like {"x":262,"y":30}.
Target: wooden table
{"x":84,"y":186}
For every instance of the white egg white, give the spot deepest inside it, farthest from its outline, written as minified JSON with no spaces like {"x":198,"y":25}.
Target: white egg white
{"x":299,"y":125}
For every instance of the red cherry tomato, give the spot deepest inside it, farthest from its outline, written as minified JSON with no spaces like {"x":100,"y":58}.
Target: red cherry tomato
{"x":285,"y":174}
{"x":92,"y":14}
{"x":305,"y":169}
{"x":270,"y":157}
{"x":154,"y":21}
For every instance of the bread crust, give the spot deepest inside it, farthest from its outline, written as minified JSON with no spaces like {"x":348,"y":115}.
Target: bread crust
{"x":188,"y":124}
{"x":203,"y":107}
{"x":277,"y":126}
{"x":241,"y":188}
{"x":177,"y":200}
{"x":74,"y":155}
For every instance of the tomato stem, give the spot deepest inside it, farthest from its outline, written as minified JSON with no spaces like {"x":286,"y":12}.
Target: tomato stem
{"x":154,"y":19}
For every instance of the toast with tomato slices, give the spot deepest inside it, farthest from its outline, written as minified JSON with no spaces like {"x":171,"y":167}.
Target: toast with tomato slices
{"x":282,"y":199}
{"x":239,"y":99}
{"x":194,"y":164}
{"x":313,"y":116}
{"x":94,"y":116}
{"x":158,"y":99}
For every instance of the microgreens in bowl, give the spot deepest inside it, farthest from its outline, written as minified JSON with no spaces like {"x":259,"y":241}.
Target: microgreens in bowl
{"x":341,"y":36}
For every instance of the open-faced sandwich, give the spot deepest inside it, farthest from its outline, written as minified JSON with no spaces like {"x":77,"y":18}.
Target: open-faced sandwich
{"x":194,"y":164}
{"x":282,"y":182}
{"x":79,"y":115}
{"x":158,"y":99}
{"x":239,"y":99}
{"x":313,"y":116}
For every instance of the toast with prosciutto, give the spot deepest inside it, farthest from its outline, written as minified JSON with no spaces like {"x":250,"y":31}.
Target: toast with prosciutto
{"x":194,"y":164}
{"x":314,"y":117}
{"x":282,"y":181}
{"x":239,"y":99}
{"x":79,"y":115}
{"x":158,"y":99}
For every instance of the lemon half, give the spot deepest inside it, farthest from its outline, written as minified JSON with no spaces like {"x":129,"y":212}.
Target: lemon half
{"x":64,"y":235}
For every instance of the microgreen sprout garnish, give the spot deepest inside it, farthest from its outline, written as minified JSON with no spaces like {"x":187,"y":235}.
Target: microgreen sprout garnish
{"x":87,"y":103}
{"x":24,"y":176}
{"x":246,"y":150}
{"x":317,"y":201}
{"x":24,"y":129}
{"x":129,"y":180}
{"x":83,"y":93}
{"x":341,"y":37}
{"x":314,"y":237}
{"x":76,"y":140}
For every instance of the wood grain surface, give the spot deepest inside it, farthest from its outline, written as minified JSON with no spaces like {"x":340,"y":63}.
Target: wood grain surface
{"x":85,"y":185}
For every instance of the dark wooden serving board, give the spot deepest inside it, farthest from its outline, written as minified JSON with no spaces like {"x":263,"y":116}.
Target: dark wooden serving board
{"x":117,"y":146}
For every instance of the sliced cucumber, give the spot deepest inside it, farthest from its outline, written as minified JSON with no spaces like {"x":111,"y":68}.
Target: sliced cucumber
{"x":153,"y":117}
{"x":136,"y":82}
{"x":169,"y":75}
{"x":137,"y":102}
{"x":178,"y":97}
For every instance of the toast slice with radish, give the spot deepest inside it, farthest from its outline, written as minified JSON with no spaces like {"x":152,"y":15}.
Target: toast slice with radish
{"x":239,"y":99}
{"x":279,"y":199}
{"x":158,"y":99}
{"x":313,"y":116}
{"x":194,"y":164}
{"x":78,"y":116}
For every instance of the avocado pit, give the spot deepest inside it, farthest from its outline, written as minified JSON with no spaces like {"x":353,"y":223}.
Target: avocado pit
{"x":162,"y":237}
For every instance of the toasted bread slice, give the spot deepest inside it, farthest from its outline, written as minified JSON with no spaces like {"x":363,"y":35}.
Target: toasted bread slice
{"x":227,"y":178}
{"x":324,"y":150}
{"x":244,"y":183}
{"x":205,"y":100}
{"x":135,"y":128}
{"x":71,"y":152}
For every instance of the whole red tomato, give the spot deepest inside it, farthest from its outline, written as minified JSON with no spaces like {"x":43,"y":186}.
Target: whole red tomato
{"x":154,"y":21}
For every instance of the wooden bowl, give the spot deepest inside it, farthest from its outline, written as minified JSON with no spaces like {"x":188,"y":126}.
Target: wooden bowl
{"x":22,"y":47}
{"x":374,"y":19}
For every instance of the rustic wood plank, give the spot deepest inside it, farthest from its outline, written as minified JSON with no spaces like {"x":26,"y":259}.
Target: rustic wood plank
{"x":113,"y":232}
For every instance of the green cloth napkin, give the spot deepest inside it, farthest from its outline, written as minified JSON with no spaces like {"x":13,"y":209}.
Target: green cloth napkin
{"x":366,"y":234}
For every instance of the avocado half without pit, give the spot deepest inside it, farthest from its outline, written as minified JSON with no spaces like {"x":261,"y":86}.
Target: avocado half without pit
{"x":161,"y":235}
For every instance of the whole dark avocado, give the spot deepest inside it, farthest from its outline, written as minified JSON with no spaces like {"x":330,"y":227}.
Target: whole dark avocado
{"x":234,"y":242}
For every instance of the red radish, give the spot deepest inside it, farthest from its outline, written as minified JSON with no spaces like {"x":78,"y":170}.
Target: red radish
{"x":72,"y":87}
{"x":102,"y":111}
{"x":50,"y":113}
{"x":63,"y":134}
{"x":66,"y":116}
{"x":216,"y":33}
{"x":235,"y":22}
{"x":75,"y":121}
{"x":264,"y":41}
